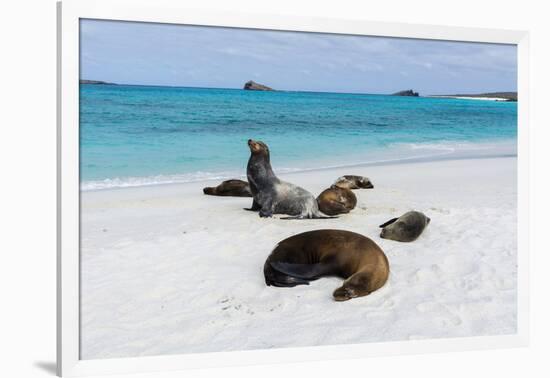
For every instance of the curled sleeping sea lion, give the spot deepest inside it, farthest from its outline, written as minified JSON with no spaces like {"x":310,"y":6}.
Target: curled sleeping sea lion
{"x":406,"y":228}
{"x":233,"y":188}
{"x":336,"y":200}
{"x":272,"y":195}
{"x":353,"y":182}
{"x":311,"y":255}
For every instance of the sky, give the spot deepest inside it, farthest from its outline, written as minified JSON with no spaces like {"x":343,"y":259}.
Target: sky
{"x":196,"y":56}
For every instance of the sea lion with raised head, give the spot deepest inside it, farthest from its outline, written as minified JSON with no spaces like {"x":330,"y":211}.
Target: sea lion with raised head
{"x":336,"y":200}
{"x":406,"y":228}
{"x":311,"y":255}
{"x":353,"y":182}
{"x":230,"y":188}
{"x":272,"y":195}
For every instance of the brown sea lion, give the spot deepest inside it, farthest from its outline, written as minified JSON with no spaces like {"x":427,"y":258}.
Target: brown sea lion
{"x":272,"y":195}
{"x":336,"y":200}
{"x":311,"y":255}
{"x":353,"y":182}
{"x":233,"y":188}
{"x":406,"y":228}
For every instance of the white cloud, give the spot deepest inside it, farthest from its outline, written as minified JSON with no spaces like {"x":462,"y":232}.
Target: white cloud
{"x":290,"y":60}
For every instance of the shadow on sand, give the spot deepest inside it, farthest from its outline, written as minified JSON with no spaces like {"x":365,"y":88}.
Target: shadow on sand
{"x":48,"y":367}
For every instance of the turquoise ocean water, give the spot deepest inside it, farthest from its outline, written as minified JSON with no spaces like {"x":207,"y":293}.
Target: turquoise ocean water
{"x":143,"y":135}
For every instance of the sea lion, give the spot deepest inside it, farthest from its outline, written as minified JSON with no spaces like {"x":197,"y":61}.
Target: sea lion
{"x":406,"y":228}
{"x":272,"y":195}
{"x":311,"y":255}
{"x":353,"y":182}
{"x":336,"y":200}
{"x":233,"y":188}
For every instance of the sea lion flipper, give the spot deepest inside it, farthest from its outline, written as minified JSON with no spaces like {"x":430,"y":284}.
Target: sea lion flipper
{"x":255,"y":206}
{"x":304,"y":271}
{"x":388,"y":222}
{"x":301,"y":217}
{"x":278,"y":279}
{"x":287,"y":281}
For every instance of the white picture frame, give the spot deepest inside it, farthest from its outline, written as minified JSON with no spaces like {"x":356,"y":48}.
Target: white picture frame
{"x":171,"y":11}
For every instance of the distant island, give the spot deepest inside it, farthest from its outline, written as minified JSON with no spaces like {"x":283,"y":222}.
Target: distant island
{"x":95,"y":82}
{"x":496,"y":96}
{"x":408,"y":92}
{"x":253,"y":86}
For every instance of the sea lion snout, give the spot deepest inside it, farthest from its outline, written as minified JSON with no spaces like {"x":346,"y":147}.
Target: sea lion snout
{"x":365,"y":183}
{"x":254,"y":145}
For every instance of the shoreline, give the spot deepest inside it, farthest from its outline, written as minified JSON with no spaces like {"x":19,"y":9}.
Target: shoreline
{"x":497,"y":99}
{"x":221,"y":176}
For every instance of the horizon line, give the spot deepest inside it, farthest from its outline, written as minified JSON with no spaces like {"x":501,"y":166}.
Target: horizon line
{"x":101,"y":82}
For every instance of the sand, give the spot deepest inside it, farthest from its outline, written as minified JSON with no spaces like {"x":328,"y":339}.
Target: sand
{"x":475,"y":98}
{"x":168,"y":270}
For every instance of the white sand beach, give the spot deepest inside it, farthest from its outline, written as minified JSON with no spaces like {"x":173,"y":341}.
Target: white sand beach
{"x":474,"y":98}
{"x":168,"y":270}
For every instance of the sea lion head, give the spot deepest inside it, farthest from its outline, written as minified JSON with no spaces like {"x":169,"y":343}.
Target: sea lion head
{"x":392,"y":231}
{"x":365,"y":183}
{"x":258,"y":148}
{"x":353,"y":287}
{"x":209,"y":190}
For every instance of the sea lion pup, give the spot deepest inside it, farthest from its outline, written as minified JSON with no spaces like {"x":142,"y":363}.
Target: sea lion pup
{"x":274,"y":196}
{"x":311,"y":255}
{"x":406,"y":228}
{"x":353,"y":182}
{"x":336,"y":200}
{"x":233,"y":188}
